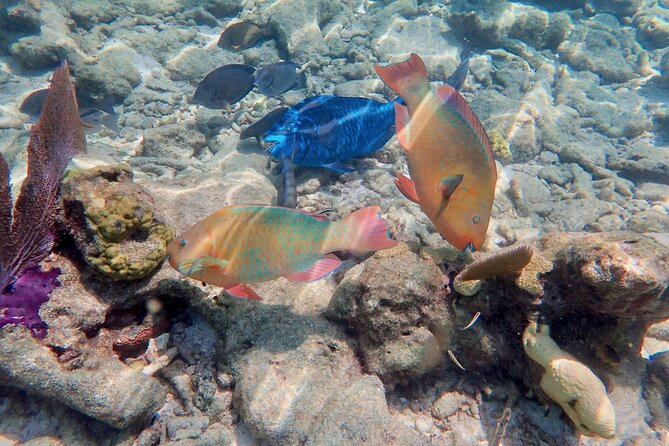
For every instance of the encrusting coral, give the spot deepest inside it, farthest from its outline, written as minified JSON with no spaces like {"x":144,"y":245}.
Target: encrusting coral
{"x":571,"y":384}
{"x":114,"y":222}
{"x":26,"y":237}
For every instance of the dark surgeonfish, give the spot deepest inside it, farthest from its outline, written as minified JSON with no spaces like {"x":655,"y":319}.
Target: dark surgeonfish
{"x":94,"y":115}
{"x":225,"y":86}
{"x":277,"y":78}
{"x":32,"y":104}
{"x":240,"y":36}
{"x":258,"y":129}
{"x":457,"y":78}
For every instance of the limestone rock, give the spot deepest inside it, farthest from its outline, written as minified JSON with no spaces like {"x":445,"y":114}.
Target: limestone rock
{"x":394,"y":303}
{"x":106,"y":389}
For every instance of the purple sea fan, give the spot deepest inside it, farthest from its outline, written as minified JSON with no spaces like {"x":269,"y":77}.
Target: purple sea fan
{"x":57,"y":136}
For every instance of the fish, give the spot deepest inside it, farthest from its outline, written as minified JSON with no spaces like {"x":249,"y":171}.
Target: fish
{"x":94,"y":115}
{"x":258,"y":129}
{"x":326,"y":131}
{"x":240,"y":36}
{"x":449,"y":155}
{"x":32,"y":104}
{"x":224,"y":86}
{"x":242,"y":244}
{"x":277,"y":78}
{"x":458,"y":77}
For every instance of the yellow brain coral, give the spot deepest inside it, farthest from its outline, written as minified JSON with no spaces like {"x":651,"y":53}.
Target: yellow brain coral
{"x":571,"y":384}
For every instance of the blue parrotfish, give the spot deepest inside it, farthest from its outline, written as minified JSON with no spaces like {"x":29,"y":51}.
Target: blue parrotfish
{"x":326,"y":131}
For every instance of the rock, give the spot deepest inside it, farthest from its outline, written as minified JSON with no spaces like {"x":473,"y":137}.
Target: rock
{"x":621,"y":8}
{"x":113,"y":75}
{"x":173,"y":141}
{"x":393,"y":303}
{"x":297,"y":25}
{"x":596,"y":48}
{"x":421,"y":35}
{"x":297,"y":380}
{"x":541,"y":29}
{"x":104,"y":389}
{"x":192,"y":63}
{"x":37,"y":52}
{"x":114,"y":222}
{"x":655,"y":389}
{"x":181,"y":428}
{"x":450,"y":403}
{"x":23,"y":16}
{"x":34,"y":420}
{"x":600,"y":269}
{"x":88,"y":14}
{"x":222,"y":8}
{"x":653,"y":25}
{"x":642,"y":162}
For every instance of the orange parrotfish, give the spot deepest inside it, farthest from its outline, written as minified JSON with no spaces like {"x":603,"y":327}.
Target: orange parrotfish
{"x":450,"y":158}
{"x":242,"y":244}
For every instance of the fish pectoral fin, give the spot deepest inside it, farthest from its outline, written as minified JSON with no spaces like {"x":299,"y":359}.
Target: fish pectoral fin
{"x":318,"y":270}
{"x":407,"y":187}
{"x":191,"y":267}
{"x":446,"y":187}
{"x":325,"y":132}
{"x":402,"y":124}
{"x":241,"y":291}
{"x":339,"y":167}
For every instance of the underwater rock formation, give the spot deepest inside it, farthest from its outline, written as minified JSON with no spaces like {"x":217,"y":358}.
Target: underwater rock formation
{"x":114,"y":222}
{"x":103,"y":388}
{"x":395,"y":303}
{"x":112,"y":74}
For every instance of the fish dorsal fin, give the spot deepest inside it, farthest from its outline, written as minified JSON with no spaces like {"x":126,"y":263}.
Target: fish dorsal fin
{"x":451,"y":97}
{"x":446,"y":187}
{"x":402,"y":124}
{"x":320,"y":269}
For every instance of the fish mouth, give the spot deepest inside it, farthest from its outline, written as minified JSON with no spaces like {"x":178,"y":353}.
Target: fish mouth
{"x":268,"y":145}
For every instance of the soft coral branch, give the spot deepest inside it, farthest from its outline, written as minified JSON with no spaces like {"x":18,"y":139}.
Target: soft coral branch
{"x":56,"y":137}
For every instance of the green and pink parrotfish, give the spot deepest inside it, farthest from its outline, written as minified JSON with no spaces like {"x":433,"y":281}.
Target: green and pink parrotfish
{"x":450,"y":158}
{"x":243,"y":244}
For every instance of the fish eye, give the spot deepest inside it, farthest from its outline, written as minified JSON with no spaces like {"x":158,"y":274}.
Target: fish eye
{"x":182,"y":242}
{"x":476,"y":220}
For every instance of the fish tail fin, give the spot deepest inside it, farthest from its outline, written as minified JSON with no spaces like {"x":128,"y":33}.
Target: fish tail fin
{"x":367,"y":231}
{"x":400,"y":76}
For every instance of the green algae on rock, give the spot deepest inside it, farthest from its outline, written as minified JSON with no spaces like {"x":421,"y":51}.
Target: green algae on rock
{"x":115,"y":223}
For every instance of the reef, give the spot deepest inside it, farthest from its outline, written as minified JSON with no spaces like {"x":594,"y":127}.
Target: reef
{"x":416,"y":345}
